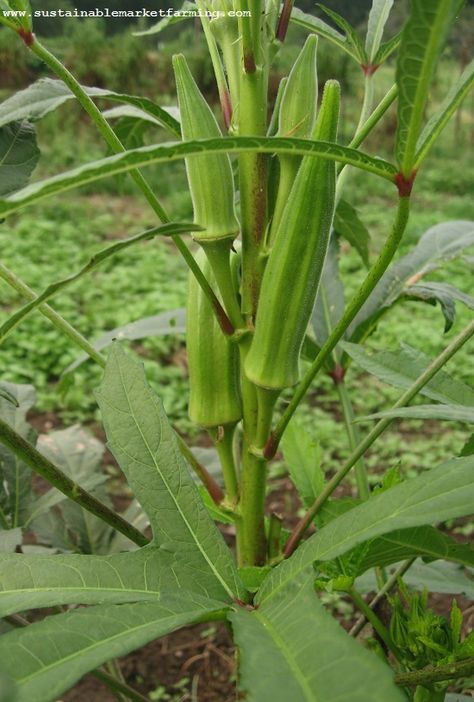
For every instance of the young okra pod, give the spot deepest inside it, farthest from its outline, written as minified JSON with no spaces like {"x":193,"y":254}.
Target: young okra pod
{"x":295,"y":263}
{"x":210,"y":178}
{"x":213,"y":360}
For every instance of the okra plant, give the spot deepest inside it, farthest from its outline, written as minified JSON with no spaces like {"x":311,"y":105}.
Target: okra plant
{"x":265,"y":316}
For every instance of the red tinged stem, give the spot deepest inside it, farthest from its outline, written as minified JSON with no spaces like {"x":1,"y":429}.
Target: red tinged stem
{"x":27,"y":36}
{"x":284,"y":20}
{"x":404,"y":184}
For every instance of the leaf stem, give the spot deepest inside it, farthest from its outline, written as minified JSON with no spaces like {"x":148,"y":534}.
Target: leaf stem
{"x":354,"y":439}
{"x":42,"y":466}
{"x":203,"y":474}
{"x":223,"y":439}
{"x":371,"y":437}
{"x":371,"y":280}
{"x":432,"y":674}
{"x":116,"y":145}
{"x":118,"y":686}
{"x":379,"y":628}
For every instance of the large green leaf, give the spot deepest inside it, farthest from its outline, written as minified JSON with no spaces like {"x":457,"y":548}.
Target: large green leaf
{"x":438,"y":244}
{"x":442,"y":493}
{"x":422,"y":40}
{"x":452,"y":413}
{"x":19,"y":155}
{"x":172,"y":322}
{"x":48,"y":657}
{"x":425,"y":541}
{"x":402,"y":367}
{"x":46,"y":95}
{"x":169,"y":229}
{"x":291,"y":648}
{"x":161,"y":153}
{"x":441,"y":117}
{"x":144,"y":444}
{"x":377,"y":20}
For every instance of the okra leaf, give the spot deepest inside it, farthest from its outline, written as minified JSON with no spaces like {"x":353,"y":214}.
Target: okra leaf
{"x":401,"y":368}
{"x":303,"y":457}
{"x":378,"y":17}
{"x":329,"y":304}
{"x":387,"y":48}
{"x":166,"y":22}
{"x":443,"y":293}
{"x":35,"y":581}
{"x":170,"y":229}
{"x":159,"y":153}
{"x":172,"y":322}
{"x":426,"y":542}
{"x":438,"y":244}
{"x":47,"y":94}
{"x":422,"y":41}
{"x":441,"y":117}
{"x":19,"y":155}
{"x":442,"y":493}
{"x":441,"y":576}
{"x":352,"y":36}
{"x":10,"y":539}
{"x":5,"y":395}
{"x":304,"y":655}
{"x":318,"y":26}
{"x":453,"y":413}
{"x":48,"y":657}
{"x":348,"y":225}
{"x":7,"y":688}
{"x":145,"y":446}
{"x":468,"y":448}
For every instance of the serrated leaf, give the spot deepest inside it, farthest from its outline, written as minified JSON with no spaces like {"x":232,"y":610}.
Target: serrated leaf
{"x":159,"y":153}
{"x":441,"y":576}
{"x":318,"y":26}
{"x":172,"y":322}
{"x":444,"y":492}
{"x":48,"y":657}
{"x":292,"y":649}
{"x":378,"y":17}
{"x":171,"y":20}
{"x":441,"y":117}
{"x":47,"y":94}
{"x":303,"y":457}
{"x":422,"y":41}
{"x":19,"y":155}
{"x":169,"y":229}
{"x":145,"y":446}
{"x":348,"y":225}
{"x":440,"y":243}
{"x":402,"y":367}
{"x":452,"y":413}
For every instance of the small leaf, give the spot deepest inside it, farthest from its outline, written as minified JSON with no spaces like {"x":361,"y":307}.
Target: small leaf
{"x":172,"y":322}
{"x":318,"y":26}
{"x":303,"y":457}
{"x":48,"y":657}
{"x":443,"y":293}
{"x":378,"y":17}
{"x":401,"y":368}
{"x":291,"y":648}
{"x":19,"y":155}
{"x":329,"y":305}
{"x":453,"y":413}
{"x":422,"y":40}
{"x":146,"y":449}
{"x":148,"y":155}
{"x":387,"y":48}
{"x":348,"y":225}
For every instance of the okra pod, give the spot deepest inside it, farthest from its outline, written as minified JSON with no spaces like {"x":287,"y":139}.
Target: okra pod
{"x":210,"y":178}
{"x":213,"y":359}
{"x":295,"y":263}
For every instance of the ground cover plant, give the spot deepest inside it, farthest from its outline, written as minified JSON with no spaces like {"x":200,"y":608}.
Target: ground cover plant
{"x":266,"y":314}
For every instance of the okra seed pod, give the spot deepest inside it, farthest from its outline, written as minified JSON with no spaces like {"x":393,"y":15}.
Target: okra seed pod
{"x":295,"y":263}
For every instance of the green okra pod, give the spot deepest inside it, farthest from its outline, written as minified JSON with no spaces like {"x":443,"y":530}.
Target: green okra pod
{"x":296,"y":118}
{"x":295,"y":263}
{"x":210,"y":178}
{"x":213,"y":360}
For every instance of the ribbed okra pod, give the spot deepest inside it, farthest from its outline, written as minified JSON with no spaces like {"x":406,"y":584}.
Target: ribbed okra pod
{"x":295,"y":263}
{"x":210,"y":178}
{"x":296,"y":118}
{"x":213,"y":360}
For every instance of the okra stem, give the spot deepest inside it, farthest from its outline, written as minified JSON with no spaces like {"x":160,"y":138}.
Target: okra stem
{"x":354,"y":439}
{"x":117,"y":147}
{"x":379,"y":628}
{"x":224,"y":444}
{"x":251,"y":535}
{"x":371,"y":437}
{"x":371,"y":280}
